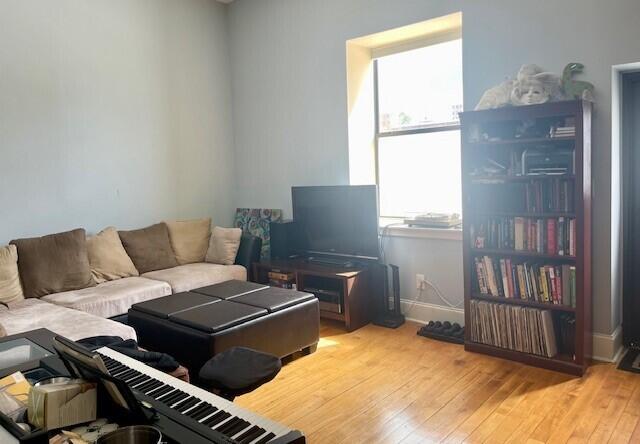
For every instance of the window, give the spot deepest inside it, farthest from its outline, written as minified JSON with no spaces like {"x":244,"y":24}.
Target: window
{"x":418,"y":95}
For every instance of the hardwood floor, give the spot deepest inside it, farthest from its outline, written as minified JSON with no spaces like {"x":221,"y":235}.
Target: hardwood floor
{"x":377,"y":385}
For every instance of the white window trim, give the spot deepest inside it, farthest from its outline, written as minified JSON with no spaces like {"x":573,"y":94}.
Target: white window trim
{"x":392,"y":227}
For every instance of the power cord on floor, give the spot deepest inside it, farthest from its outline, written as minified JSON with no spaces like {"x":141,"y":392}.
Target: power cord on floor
{"x":437,"y":292}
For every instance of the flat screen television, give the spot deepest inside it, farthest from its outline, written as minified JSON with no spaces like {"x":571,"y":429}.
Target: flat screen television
{"x":336,"y":220}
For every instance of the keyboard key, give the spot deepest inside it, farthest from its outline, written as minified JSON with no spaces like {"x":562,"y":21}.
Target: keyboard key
{"x":266,"y":438}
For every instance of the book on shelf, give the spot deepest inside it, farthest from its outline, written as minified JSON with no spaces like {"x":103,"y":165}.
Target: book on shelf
{"x":523,"y":329}
{"x":535,"y":282}
{"x":553,"y":236}
{"x":282,"y":284}
{"x":549,"y":195}
{"x":281,"y":279}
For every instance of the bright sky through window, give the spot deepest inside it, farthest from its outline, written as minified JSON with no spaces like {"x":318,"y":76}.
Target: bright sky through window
{"x":420,"y":90}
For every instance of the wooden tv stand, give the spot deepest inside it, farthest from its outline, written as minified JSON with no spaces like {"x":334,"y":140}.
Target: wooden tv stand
{"x":349,"y":285}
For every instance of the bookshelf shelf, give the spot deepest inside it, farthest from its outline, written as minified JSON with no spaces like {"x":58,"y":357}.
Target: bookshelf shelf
{"x":490,"y":273}
{"x":539,"y":215}
{"x":488,"y":180}
{"x":523,"y":302}
{"x":528,"y":141}
{"x":560,"y":362}
{"x":520,"y":253}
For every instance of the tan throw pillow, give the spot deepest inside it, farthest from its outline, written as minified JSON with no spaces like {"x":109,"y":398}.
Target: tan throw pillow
{"x":3,"y":332}
{"x":54,"y":263}
{"x":190,"y":239}
{"x":107,"y":257}
{"x":224,"y":245}
{"x":149,"y":248}
{"x":10,"y":288}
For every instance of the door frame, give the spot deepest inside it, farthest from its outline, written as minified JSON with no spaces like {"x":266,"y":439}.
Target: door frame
{"x":621,"y":182}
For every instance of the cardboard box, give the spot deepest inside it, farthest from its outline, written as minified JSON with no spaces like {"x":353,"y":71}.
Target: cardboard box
{"x":62,"y":405}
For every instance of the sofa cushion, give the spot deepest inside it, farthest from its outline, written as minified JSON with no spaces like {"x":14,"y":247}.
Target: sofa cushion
{"x":188,"y":277}
{"x":190,"y":239}
{"x":111,"y":298}
{"x":30,"y":314}
{"x":149,"y":248}
{"x":223,"y":246}
{"x":108,"y":258}
{"x":10,"y":288}
{"x":54,"y":263}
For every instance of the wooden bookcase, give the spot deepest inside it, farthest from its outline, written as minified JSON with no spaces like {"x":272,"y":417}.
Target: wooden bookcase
{"x":490,"y":191}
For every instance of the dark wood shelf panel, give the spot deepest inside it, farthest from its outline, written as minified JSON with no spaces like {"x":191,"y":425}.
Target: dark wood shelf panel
{"x":561,"y":362}
{"x":490,"y":180}
{"x":349,"y":285}
{"x":527,"y":214}
{"x":524,"y":141}
{"x":523,"y":302}
{"x":332,"y":315}
{"x":519,"y":253}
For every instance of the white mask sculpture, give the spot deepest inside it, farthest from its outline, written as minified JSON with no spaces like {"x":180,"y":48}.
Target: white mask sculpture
{"x":531,"y":86}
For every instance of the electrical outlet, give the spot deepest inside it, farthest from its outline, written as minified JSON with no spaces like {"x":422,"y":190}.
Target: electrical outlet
{"x":419,"y":281}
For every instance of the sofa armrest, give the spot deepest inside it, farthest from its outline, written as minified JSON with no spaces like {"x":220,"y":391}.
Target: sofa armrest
{"x":249,"y":252}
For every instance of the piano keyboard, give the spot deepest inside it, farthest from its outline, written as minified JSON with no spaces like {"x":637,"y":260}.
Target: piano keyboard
{"x":212,"y":411}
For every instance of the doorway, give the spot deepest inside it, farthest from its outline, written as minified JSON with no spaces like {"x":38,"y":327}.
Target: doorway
{"x":630,"y":151}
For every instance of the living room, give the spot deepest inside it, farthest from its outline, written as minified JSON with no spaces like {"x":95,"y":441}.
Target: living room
{"x":140,"y":115}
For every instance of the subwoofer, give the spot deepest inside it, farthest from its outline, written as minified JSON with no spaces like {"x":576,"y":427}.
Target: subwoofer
{"x":283,"y":236}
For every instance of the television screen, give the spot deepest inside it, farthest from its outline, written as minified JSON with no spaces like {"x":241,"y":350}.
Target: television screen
{"x":336,"y":220}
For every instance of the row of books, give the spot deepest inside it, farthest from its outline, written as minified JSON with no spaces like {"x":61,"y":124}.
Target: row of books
{"x":549,"y":195}
{"x":553,"y":284}
{"x":282,"y":280}
{"x":554,"y":236}
{"x":524,"y":329}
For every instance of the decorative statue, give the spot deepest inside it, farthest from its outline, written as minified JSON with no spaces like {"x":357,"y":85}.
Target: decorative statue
{"x":575,"y":89}
{"x":533,"y":85}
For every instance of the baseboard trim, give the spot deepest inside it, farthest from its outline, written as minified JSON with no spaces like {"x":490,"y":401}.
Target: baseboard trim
{"x":608,"y":348}
{"x":423,"y":312}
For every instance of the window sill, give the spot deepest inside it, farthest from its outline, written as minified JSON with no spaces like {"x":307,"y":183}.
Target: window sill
{"x":396,"y":228}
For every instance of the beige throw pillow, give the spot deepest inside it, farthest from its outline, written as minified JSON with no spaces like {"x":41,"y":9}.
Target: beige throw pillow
{"x":10,"y":288}
{"x":190,"y":239}
{"x":224,"y":245}
{"x":107,"y":257}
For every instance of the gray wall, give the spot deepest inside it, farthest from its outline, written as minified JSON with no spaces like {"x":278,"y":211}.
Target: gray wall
{"x":289,"y":88}
{"x":112,"y":112}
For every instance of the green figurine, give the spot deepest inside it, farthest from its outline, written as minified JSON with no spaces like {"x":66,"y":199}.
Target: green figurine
{"x":575,"y":89}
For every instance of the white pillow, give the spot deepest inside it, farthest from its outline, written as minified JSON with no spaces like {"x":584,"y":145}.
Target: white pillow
{"x":10,"y":288}
{"x":223,"y":246}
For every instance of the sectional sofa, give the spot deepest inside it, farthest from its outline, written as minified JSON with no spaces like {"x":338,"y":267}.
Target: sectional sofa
{"x":97,"y":303}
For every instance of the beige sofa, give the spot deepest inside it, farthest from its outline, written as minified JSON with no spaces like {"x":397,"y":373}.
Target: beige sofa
{"x":92,"y":311}
{"x":84,"y":313}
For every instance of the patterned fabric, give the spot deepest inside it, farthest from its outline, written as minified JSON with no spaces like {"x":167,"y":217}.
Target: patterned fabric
{"x":255,"y":221}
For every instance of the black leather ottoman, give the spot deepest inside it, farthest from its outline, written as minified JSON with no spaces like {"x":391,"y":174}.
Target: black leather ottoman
{"x":193,"y":327}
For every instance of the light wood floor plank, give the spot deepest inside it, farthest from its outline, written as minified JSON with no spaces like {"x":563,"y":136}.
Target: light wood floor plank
{"x":378,"y":385}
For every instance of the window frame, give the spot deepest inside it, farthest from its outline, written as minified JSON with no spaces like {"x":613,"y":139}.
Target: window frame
{"x":378,"y":134}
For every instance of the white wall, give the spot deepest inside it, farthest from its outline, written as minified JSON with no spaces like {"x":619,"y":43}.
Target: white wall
{"x":290,"y":99}
{"x":112,"y":112}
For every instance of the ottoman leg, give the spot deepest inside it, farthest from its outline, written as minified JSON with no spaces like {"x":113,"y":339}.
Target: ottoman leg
{"x":310,"y":349}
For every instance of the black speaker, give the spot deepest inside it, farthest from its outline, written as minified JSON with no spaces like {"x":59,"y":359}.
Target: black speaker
{"x":282,"y":239}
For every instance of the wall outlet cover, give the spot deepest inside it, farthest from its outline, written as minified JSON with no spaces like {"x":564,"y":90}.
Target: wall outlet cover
{"x":419,"y":281}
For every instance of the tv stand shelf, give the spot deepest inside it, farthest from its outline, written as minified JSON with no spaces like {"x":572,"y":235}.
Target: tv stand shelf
{"x":349,"y":285}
